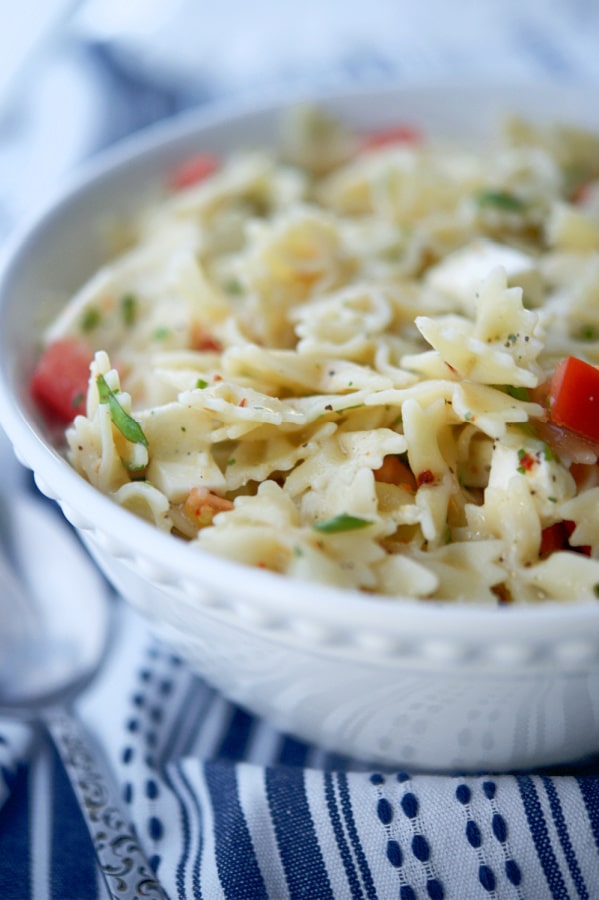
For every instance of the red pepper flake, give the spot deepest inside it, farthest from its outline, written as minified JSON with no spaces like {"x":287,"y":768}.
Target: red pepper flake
{"x":218,"y":378}
{"x":243,"y":402}
{"x":526,"y":461}
{"x":426,"y":477}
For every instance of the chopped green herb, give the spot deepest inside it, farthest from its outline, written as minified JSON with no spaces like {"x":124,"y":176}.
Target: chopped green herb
{"x":548,"y":453}
{"x":233,"y":286}
{"x":133,"y":469}
{"x":200,"y":383}
{"x":588,"y":333}
{"x":342,"y":522}
{"x":91,"y":319}
{"x":347,"y":408}
{"x":129,"y":309}
{"x":500,"y":200}
{"x":129,"y":428}
{"x":518,"y":393}
{"x":232,"y":461}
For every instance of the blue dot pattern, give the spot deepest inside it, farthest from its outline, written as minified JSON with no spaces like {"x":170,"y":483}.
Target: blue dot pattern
{"x":498,"y":831}
{"x":153,"y":690}
{"x":473,"y":834}
{"x":394,"y":816}
{"x":394,"y":854}
{"x":384,"y":811}
{"x":486,"y":878}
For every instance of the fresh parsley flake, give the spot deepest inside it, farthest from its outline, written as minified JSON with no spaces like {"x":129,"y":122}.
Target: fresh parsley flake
{"x":200,"y":383}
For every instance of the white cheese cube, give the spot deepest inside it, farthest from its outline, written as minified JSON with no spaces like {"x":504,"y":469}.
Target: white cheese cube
{"x":459,"y":275}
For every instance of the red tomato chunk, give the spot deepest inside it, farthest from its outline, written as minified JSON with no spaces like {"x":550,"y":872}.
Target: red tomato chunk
{"x":399,"y":134}
{"x":59,"y":382}
{"x":574,"y":397}
{"x":192,"y":171}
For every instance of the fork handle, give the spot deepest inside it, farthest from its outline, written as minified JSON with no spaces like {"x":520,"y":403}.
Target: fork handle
{"x":126,"y":870}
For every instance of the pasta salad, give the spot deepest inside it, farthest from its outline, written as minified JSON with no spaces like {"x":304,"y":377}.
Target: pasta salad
{"x":369,"y":360}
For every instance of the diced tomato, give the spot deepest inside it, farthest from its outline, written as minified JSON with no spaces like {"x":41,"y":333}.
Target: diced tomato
{"x":394,"y":471}
{"x":557,"y":537}
{"x":386,"y":137}
{"x":574,"y":397}
{"x":201,"y":339}
{"x":193,"y":170}
{"x":585,"y":476}
{"x":59,"y":382}
{"x":553,"y":538}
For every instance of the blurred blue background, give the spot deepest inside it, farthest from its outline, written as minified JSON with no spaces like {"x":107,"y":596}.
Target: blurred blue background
{"x":76,"y":76}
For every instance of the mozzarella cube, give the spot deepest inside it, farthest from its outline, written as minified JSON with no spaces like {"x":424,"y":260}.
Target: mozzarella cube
{"x":459,"y":275}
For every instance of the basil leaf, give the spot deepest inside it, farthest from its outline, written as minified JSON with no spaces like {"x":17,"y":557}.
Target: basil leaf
{"x":342,"y":522}
{"x":129,"y":428}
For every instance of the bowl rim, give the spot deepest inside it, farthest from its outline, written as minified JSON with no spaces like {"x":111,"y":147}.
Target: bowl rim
{"x":134,"y":540}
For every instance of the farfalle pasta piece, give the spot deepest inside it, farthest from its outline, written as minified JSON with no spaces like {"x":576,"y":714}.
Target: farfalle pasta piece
{"x":288,"y":260}
{"x":492,"y":410}
{"x":300,"y":373}
{"x":583,"y":511}
{"x":500,"y":347}
{"x":108,"y":443}
{"x":465,"y":570}
{"x":147,"y":502}
{"x":563,"y":577}
{"x":346,"y":323}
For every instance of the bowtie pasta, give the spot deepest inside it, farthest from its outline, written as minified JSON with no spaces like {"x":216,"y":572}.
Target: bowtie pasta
{"x":365,"y":360}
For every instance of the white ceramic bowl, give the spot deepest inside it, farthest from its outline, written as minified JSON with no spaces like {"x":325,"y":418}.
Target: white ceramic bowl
{"x":402,"y":683}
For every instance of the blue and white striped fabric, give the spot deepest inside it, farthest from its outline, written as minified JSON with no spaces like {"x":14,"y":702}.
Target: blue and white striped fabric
{"x":226,"y":807}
